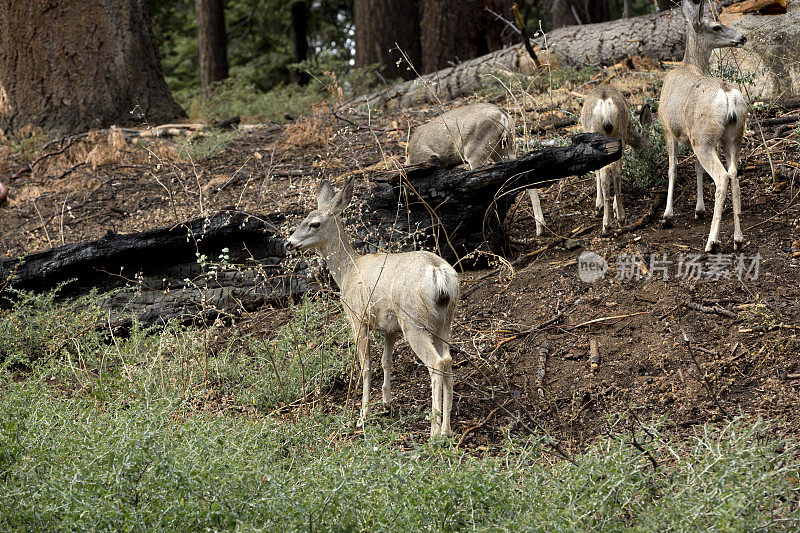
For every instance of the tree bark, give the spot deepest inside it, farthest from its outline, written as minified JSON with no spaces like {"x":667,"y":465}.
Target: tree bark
{"x":212,"y":41}
{"x":455,"y":30}
{"x":657,"y":35}
{"x":458,"y":211}
{"x":299,"y":38}
{"x":74,"y":66}
{"x":381,"y":27}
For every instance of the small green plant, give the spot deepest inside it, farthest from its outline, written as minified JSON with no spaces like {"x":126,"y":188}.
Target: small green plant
{"x":645,"y":169}
{"x":208,"y":145}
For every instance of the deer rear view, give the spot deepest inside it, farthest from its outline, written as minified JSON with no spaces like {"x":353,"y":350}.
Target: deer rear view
{"x":706,"y":113}
{"x":413,"y":292}
{"x":605,"y":110}
{"x":474,"y":134}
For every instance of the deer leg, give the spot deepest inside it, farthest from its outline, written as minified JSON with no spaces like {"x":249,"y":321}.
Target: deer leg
{"x":361,"y":334}
{"x":598,"y":202}
{"x":710,"y":160}
{"x":422,"y":345}
{"x":538,"y":216}
{"x":736,"y":193}
{"x":442,"y":346}
{"x":605,"y":182}
{"x":700,"y":207}
{"x":386,"y":362}
{"x":619,"y":209}
{"x":672,"y":149}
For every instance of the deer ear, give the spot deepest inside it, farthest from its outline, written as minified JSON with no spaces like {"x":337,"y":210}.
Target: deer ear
{"x":690,"y":11}
{"x":343,"y":197}
{"x":325,"y":194}
{"x":646,"y":115}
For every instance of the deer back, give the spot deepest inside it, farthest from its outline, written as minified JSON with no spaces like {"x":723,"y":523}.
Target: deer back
{"x":419,"y":288}
{"x":475,"y":134}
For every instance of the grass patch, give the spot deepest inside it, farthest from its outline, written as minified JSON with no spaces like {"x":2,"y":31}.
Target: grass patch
{"x":206,"y":146}
{"x":168,"y":430}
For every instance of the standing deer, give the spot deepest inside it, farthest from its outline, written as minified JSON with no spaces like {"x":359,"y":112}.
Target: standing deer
{"x":706,"y":113}
{"x":413,"y":292}
{"x":605,"y":110}
{"x":475,"y":134}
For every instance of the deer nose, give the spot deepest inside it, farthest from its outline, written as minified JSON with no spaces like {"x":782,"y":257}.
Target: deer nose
{"x":741,"y":40}
{"x":289,"y":245}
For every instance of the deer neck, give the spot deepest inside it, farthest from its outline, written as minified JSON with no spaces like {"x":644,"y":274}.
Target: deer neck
{"x":696,"y":54}
{"x":340,"y":254}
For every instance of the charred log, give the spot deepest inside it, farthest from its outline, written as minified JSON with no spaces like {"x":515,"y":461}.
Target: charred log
{"x":456,"y":211}
{"x":199,"y":270}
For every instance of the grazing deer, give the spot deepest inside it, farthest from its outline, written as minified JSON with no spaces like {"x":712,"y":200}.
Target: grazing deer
{"x":413,"y":292}
{"x":605,"y":110}
{"x":475,"y":134}
{"x":706,"y":113}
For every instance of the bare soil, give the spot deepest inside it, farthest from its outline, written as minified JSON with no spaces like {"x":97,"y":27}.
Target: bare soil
{"x":744,"y":361}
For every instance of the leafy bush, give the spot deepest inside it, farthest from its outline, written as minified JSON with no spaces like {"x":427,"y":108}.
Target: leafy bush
{"x":647,"y":168}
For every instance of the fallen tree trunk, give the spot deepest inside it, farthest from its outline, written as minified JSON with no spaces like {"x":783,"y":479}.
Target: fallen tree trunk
{"x":199,"y":270}
{"x":235,"y":261}
{"x":457,"y":211}
{"x":657,"y":35}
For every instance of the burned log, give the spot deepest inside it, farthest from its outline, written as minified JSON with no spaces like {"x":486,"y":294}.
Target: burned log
{"x":235,"y":261}
{"x":197,"y":270}
{"x":456,"y":211}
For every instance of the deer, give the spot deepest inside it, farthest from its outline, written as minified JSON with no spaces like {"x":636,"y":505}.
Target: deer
{"x":605,"y":110}
{"x":475,"y":134}
{"x":708,"y":114}
{"x":413,"y":293}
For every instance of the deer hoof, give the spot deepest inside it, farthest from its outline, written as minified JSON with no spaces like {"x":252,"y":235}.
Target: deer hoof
{"x":712,"y":247}
{"x":700,"y":215}
{"x":666,"y":222}
{"x":737,"y":245}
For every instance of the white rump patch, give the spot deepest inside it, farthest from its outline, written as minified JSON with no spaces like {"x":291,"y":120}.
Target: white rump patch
{"x":730,"y":105}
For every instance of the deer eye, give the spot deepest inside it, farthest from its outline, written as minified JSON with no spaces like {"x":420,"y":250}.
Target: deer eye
{"x":314,"y":224}
{"x":717,"y":28}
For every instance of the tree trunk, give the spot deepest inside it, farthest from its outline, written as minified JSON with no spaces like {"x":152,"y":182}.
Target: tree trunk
{"x":74,"y":66}
{"x":299,"y":38}
{"x":571,"y":12}
{"x":455,"y":30}
{"x":212,"y":41}
{"x":381,"y":27}
{"x":657,"y":35}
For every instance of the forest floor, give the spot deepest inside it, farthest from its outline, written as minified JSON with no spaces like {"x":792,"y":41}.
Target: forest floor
{"x":742,"y":353}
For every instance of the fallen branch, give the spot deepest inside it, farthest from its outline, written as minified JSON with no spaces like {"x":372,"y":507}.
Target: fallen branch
{"x":604,"y":319}
{"x":711,"y":309}
{"x":525,"y":39}
{"x":483,"y":423}
{"x":646,"y":218}
{"x":29,"y":167}
{"x":770,"y":327}
{"x":594,"y":355}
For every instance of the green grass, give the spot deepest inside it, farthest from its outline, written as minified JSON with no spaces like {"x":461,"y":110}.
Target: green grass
{"x":206,"y":146}
{"x":167,"y":431}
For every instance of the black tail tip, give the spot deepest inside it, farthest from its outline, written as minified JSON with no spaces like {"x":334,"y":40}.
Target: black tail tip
{"x":442,"y":299}
{"x":608,"y":127}
{"x":733,"y":118}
